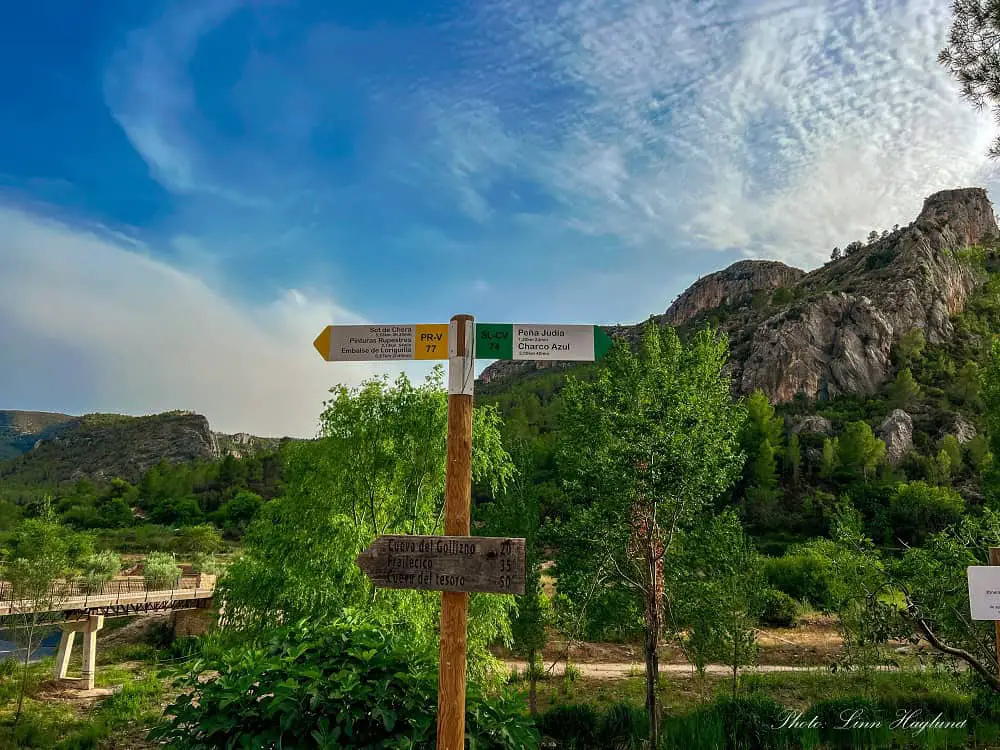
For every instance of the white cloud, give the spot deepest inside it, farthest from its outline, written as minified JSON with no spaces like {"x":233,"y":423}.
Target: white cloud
{"x":772,"y":128}
{"x":129,"y":334}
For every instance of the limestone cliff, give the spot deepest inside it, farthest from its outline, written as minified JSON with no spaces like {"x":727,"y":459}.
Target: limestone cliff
{"x":734,"y":285}
{"x":831,"y":331}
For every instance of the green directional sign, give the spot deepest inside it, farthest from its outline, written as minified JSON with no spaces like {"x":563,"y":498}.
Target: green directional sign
{"x":522,"y":341}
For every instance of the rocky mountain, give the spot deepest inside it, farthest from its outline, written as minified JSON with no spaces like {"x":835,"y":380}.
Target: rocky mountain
{"x":830,"y":331}
{"x":58,"y":447}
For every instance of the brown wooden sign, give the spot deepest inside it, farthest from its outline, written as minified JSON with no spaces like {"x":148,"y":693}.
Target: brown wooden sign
{"x":485,"y":564}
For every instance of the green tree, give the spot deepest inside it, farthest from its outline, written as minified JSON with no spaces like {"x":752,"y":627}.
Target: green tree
{"x":828,"y":461}
{"x":919,"y":509}
{"x":160,"y":571}
{"x":100,"y":568}
{"x":858,"y":449}
{"x":966,"y":388}
{"x":715,"y":593}
{"x":647,"y":444}
{"x":950,"y":445}
{"x":910,"y":347}
{"x":971,"y":54}
{"x":793,"y":459}
{"x":42,"y":555}
{"x":203,"y":538}
{"x":377,"y":468}
{"x":990,"y":393}
{"x":904,"y":390}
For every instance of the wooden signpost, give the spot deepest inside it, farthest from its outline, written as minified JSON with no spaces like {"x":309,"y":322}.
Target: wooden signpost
{"x":457,"y":563}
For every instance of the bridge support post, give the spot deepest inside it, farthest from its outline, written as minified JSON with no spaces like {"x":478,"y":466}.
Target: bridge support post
{"x":65,"y":649}
{"x":94,"y":623}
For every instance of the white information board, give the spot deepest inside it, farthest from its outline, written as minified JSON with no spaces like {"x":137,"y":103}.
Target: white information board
{"x":984,"y":591}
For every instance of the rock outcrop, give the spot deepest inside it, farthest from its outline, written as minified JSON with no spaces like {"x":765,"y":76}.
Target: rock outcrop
{"x":814,"y":423}
{"x":962,"y":429}
{"x":733,"y":285}
{"x":838,"y":337}
{"x":832,"y":331}
{"x":897,"y":433}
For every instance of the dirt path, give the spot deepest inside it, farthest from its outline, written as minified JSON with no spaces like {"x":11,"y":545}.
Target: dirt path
{"x":621,"y":670}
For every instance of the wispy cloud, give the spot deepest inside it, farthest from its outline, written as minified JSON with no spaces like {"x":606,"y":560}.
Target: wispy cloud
{"x":776,"y":129}
{"x":86,"y":320}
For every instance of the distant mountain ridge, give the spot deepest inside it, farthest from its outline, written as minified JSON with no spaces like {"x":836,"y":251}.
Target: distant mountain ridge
{"x":49,"y":448}
{"x":830,"y":331}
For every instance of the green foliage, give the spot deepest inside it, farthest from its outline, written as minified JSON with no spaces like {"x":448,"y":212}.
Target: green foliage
{"x":859,"y":450}
{"x":202,"y":539}
{"x":350,"y":683}
{"x":828,"y":462}
{"x":377,"y":468}
{"x":650,"y":437}
{"x":904,"y":390}
{"x":782,"y":295}
{"x":778,"y":609}
{"x":100,"y":568}
{"x":803,"y":573}
{"x":714,"y":588}
{"x":160,"y":571}
{"x":205,"y":563}
{"x":919,"y":509}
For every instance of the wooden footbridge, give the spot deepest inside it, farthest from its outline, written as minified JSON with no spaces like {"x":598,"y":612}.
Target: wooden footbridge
{"x":77,"y":608}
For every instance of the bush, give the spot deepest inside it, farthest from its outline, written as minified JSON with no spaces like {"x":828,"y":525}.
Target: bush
{"x":160,"y":571}
{"x":344,"y":684}
{"x":779,"y":609}
{"x":574,"y":726}
{"x":623,"y":727}
{"x":919,"y":509}
{"x":99,"y":569}
{"x":207,"y":564}
{"x":804,"y":575}
{"x":203,"y":539}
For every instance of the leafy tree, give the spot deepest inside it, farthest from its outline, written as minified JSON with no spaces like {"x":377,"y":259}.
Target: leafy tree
{"x":939,"y":468}
{"x":646,"y":445}
{"x":919,"y":509}
{"x":715,"y":593}
{"x":904,"y":390}
{"x":793,"y":459}
{"x":910,"y":347}
{"x":858,"y":449}
{"x":828,"y":461}
{"x":237,"y":513}
{"x":42,"y":553}
{"x":971,"y":54}
{"x":517,"y":513}
{"x":951,"y":446}
{"x":836,"y":254}
{"x":978,"y":453}
{"x":377,"y":468}
{"x":966,"y":387}
{"x":204,"y":539}
{"x":100,"y":568}
{"x":160,"y":571}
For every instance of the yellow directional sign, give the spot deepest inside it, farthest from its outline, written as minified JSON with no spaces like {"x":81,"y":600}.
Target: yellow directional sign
{"x":358,"y":343}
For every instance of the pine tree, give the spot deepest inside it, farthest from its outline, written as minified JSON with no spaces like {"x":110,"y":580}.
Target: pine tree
{"x":904,"y":390}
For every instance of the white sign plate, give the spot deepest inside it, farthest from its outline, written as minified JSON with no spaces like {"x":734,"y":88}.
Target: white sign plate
{"x":984,"y":591}
{"x":574,"y":343}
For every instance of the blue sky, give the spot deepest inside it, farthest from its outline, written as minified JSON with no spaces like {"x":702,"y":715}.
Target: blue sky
{"x":189,"y":192}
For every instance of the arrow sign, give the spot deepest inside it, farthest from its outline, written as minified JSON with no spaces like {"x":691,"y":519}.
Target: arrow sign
{"x":522,"y":341}
{"x":380,"y":342}
{"x":485,"y":564}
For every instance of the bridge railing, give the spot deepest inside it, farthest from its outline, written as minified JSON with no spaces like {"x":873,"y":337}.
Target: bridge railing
{"x":63,"y":591}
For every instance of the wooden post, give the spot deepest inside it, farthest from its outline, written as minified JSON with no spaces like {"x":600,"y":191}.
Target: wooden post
{"x":995,"y":560}
{"x":458,"y":491}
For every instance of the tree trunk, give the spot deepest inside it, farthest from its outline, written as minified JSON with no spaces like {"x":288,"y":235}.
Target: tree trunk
{"x":532,"y":707}
{"x":24,"y":678}
{"x":652,"y":663}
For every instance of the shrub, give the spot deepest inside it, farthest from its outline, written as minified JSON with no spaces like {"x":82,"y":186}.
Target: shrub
{"x":779,"y":610}
{"x":573,"y":726}
{"x":202,"y":563}
{"x":804,"y":575}
{"x":623,"y":727}
{"x":160,"y":571}
{"x":99,"y":569}
{"x":344,"y":684}
{"x":919,"y":509}
{"x":203,"y":539}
